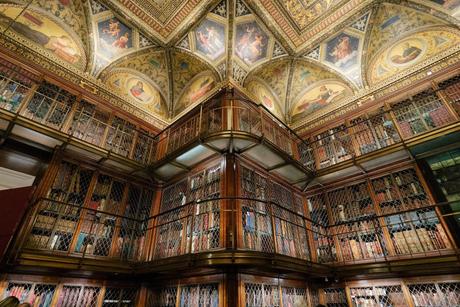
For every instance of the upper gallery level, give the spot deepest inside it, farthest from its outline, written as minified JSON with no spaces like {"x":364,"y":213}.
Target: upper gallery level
{"x":305,"y":63}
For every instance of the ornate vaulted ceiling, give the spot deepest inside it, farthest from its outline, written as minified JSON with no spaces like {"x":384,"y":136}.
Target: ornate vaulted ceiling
{"x":302,"y":59}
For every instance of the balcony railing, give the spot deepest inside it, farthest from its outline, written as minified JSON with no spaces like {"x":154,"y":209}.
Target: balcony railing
{"x":233,"y":117}
{"x":264,"y":226}
{"x":423,"y":113}
{"x":61,"y":115}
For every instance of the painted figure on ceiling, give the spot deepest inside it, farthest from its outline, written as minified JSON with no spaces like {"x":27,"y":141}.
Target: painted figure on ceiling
{"x":61,"y":45}
{"x":113,"y":29}
{"x":138,"y":92}
{"x":324,"y":97}
{"x":409,"y":53}
{"x":251,"y":44}
{"x":210,"y":37}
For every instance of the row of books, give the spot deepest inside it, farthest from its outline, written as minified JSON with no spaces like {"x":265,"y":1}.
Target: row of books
{"x":254,"y":221}
{"x":258,"y":241}
{"x":205,"y":241}
{"x":200,"y":295}
{"x":35,"y":294}
{"x":420,"y":240}
{"x":78,"y":296}
{"x":353,"y":249}
{"x":261,"y":295}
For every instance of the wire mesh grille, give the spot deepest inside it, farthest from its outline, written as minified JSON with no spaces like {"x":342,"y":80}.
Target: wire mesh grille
{"x":314,"y":296}
{"x":120,"y":137}
{"x":89,"y":124}
{"x":261,"y":295}
{"x":293,"y":297}
{"x":426,"y":295}
{"x":373,"y":132}
{"x":335,"y":297}
{"x":165,"y":297}
{"x":34,"y":294}
{"x":49,"y":105}
{"x":422,"y":113}
{"x":333,"y":146}
{"x":119,"y":297}
{"x":57,"y":218}
{"x":203,"y":295}
{"x":174,"y":196}
{"x":378,"y":296}
{"x":450,"y":292}
{"x":78,"y":296}
{"x":350,"y":203}
{"x":257,"y":225}
{"x":12,"y":93}
{"x":400,"y":191}
{"x":417,"y":232}
{"x":451,"y":88}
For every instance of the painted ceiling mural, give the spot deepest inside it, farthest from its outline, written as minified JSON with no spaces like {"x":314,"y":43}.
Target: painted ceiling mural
{"x":299,"y":58}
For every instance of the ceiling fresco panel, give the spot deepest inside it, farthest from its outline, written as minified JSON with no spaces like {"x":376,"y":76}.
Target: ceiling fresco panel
{"x":265,"y":96}
{"x":45,"y":32}
{"x":195,"y":91}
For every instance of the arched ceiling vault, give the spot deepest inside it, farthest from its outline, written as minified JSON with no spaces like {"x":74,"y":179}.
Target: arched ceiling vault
{"x":300,"y":58}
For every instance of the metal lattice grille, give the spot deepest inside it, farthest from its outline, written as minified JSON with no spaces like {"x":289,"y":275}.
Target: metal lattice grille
{"x":183,"y":134}
{"x":120,"y":137}
{"x":205,"y":295}
{"x":314,"y":297}
{"x":12,"y":93}
{"x":351,"y":203}
{"x":34,"y":294}
{"x":165,"y":297}
{"x":281,"y":196}
{"x":293,"y":297}
{"x":261,"y":295}
{"x":333,"y":146}
{"x":417,"y":232}
{"x":451,"y":293}
{"x":335,"y":297}
{"x":97,"y":228}
{"x":324,"y":244}
{"x":119,"y":297}
{"x":174,"y":196}
{"x":361,"y":240}
{"x":49,"y":105}
{"x":57,"y":218}
{"x":373,"y":132}
{"x":205,"y":230}
{"x":451,"y":88}
{"x":318,"y":210}
{"x":78,"y":296}
{"x":400,"y":191}
{"x":387,"y":296}
{"x":291,"y":235}
{"x":170,"y":231}
{"x":425,"y":295}
{"x":257,"y":225}
{"x":422,"y":113}
{"x":89,"y":124}
{"x":145,"y":147}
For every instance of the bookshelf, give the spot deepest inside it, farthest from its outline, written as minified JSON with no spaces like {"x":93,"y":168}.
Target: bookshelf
{"x":388,"y":295}
{"x":333,"y":146}
{"x":256,"y":220}
{"x":97,"y":228}
{"x":451,"y":88}
{"x":59,"y":214}
{"x":120,"y":136}
{"x":323,"y":243}
{"x":423,"y":112}
{"x":117,"y":297}
{"x":164,"y":297}
{"x":190,"y":218}
{"x":373,"y":132}
{"x":335,"y":297}
{"x":399,"y":191}
{"x":293,"y":297}
{"x":50,"y":105}
{"x":89,"y":124}
{"x":417,"y":232}
{"x":199,"y":295}
{"x":78,"y":295}
{"x":36,"y":294}
{"x":261,"y":295}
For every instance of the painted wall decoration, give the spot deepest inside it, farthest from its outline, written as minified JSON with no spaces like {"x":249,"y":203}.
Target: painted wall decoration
{"x":409,"y":51}
{"x":318,"y":96}
{"x":113,"y":38}
{"x":342,"y":51}
{"x":264,"y":96}
{"x":195,"y":91}
{"x":210,"y":39}
{"x":303,"y":12}
{"x":43,"y":31}
{"x":139,"y":90}
{"x":251,"y":42}
{"x":451,"y":5}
